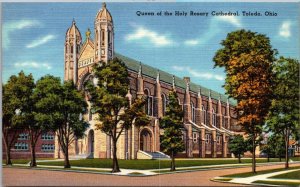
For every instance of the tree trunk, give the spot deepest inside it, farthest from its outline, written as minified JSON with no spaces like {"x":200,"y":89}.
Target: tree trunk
{"x":239,"y":156}
{"x":7,"y":147}
{"x":268,"y":157}
{"x":253,"y":154}
{"x":279,"y":157}
{"x":287,"y":149}
{"x":172,"y":162}
{"x":33,"y":159}
{"x":66,"y":160}
{"x":115,"y":167}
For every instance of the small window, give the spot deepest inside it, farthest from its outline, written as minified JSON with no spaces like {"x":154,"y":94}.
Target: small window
{"x":195,"y":136}
{"x":23,"y":136}
{"x":47,"y":136}
{"x":207,"y":138}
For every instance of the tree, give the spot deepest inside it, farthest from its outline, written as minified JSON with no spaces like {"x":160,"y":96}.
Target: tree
{"x":16,"y":98}
{"x":61,"y":107}
{"x":237,"y":146}
{"x":284,"y":113}
{"x":248,"y":59}
{"x":108,"y":100}
{"x":172,"y":124}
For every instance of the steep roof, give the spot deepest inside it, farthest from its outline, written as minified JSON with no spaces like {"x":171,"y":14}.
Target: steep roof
{"x":149,"y":71}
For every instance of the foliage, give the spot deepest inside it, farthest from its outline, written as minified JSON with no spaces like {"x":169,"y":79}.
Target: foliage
{"x":172,"y":125}
{"x":274,"y":146}
{"x":237,"y":146}
{"x":108,"y":100}
{"x":60,"y":106}
{"x":284,"y":115}
{"x":17,"y":101}
{"x":248,"y":59}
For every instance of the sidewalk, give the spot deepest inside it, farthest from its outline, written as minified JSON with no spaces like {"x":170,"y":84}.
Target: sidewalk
{"x":250,"y":180}
{"x":151,"y":172}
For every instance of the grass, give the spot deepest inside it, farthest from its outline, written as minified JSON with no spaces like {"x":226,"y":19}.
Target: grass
{"x":224,"y":179}
{"x":150,"y":164}
{"x":290,"y":175}
{"x":250,"y":174}
{"x":25,"y":161}
{"x":277,"y":183}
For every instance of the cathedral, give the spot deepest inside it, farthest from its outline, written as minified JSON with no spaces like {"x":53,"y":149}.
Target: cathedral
{"x":209,"y":117}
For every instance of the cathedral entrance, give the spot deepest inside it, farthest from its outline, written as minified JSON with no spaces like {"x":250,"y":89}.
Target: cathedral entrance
{"x":146,"y":140}
{"x":91,"y":143}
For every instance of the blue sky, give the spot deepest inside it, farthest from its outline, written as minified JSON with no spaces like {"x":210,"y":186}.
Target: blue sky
{"x":33,"y":35}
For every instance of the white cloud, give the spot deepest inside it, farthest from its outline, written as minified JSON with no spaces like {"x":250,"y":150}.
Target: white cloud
{"x":40,"y":41}
{"x":198,"y":74}
{"x":213,"y":29}
{"x":191,"y":42}
{"x":151,"y":36}
{"x":33,"y":64}
{"x":285,"y":29}
{"x":13,"y":26}
{"x":231,"y":19}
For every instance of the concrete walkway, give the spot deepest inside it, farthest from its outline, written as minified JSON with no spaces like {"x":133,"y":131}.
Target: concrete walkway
{"x":151,"y":172}
{"x":250,"y":180}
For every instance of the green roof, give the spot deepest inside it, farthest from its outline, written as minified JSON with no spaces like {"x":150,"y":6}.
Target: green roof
{"x":147,"y":70}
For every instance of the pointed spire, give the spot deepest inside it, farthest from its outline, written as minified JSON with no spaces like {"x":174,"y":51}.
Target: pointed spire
{"x":209,"y":93}
{"x":73,"y":22}
{"x":199,"y":92}
{"x":219,"y":97}
{"x":173,"y":83}
{"x":157,"y":77}
{"x":103,"y":5}
{"x":88,"y":34}
{"x":140,"y":70}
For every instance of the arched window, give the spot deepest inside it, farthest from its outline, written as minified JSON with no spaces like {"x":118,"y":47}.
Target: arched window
{"x":164,"y":103}
{"x":193,"y":112}
{"x":149,"y":103}
{"x":203,"y":115}
{"x":214,"y":118}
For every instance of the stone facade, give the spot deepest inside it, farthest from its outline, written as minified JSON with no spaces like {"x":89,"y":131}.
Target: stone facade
{"x":209,"y":117}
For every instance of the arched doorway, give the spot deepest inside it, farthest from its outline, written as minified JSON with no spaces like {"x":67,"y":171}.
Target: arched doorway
{"x":146,"y":140}
{"x":91,"y":143}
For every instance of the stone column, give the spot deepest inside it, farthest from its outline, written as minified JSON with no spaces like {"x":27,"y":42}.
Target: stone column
{"x":202,"y":143}
{"x":199,"y":108}
{"x":228,"y":114}
{"x":209,"y":111}
{"x":219,"y":114}
{"x":158,"y":103}
{"x":189,"y":140}
{"x":187,"y":102}
{"x":224,"y":146}
{"x":140,"y":83}
{"x":214,"y":144}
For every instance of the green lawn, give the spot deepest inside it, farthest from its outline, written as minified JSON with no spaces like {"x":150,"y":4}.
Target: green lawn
{"x":25,"y":161}
{"x":148,"y":164}
{"x":277,"y":183}
{"x":291,"y":175}
{"x":249,"y":174}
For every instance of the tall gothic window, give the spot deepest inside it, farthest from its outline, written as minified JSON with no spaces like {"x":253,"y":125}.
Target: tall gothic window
{"x":102,"y":37}
{"x":203,"y":115}
{"x":71,"y":49}
{"x":214,"y":118}
{"x":164,"y":103}
{"x":149,"y":103}
{"x":193,"y":112}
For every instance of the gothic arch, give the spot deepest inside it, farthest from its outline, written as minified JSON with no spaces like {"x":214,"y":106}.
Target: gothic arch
{"x":146,"y":140}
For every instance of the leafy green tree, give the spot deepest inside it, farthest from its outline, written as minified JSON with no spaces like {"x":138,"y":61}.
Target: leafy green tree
{"x":274,"y":146}
{"x":16,"y":102}
{"x":61,"y":107}
{"x":248,"y":59}
{"x":109,"y":102}
{"x":172,"y":125}
{"x":237,"y":146}
{"x":284,"y":114}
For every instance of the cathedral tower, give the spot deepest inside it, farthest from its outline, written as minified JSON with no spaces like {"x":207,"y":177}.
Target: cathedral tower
{"x":72,"y":46}
{"x":104,"y":35}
